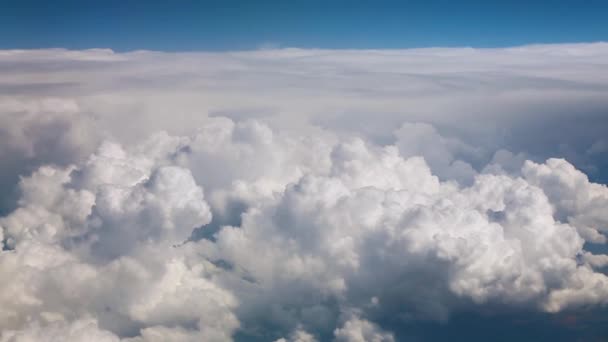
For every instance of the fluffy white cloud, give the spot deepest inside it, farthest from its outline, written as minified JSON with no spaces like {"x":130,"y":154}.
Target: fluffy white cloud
{"x":77,"y":331}
{"x":349,"y":226}
{"x":444,"y":155}
{"x":404,"y":201}
{"x":494,"y":241}
{"x":360,"y":330}
{"x":100,"y":239}
{"x":36,"y":131}
{"x":576,"y":199}
{"x":298,"y":336}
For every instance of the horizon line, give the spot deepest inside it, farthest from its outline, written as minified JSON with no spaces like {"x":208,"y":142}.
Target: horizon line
{"x":280,"y":47}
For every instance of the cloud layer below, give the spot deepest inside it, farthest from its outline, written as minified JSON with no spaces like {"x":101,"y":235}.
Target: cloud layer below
{"x":298,"y":195}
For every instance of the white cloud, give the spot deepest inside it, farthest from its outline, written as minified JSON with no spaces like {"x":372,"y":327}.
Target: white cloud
{"x":444,"y":155}
{"x":576,"y":200}
{"x":420,"y":192}
{"x":359,"y":330}
{"x":77,"y":331}
{"x":298,"y":336}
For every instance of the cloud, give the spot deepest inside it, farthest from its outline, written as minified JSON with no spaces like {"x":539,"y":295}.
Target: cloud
{"x":299,"y":336}
{"x":370,"y":187}
{"x":444,"y":155}
{"x":81,"y":330}
{"x":358,"y":330}
{"x":39,"y":131}
{"x":576,"y":199}
{"x":83,"y":233}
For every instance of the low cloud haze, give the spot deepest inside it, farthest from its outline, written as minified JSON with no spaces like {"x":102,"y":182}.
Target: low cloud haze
{"x":304,"y":195}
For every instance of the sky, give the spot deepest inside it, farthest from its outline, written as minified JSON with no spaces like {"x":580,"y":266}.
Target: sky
{"x":244,"y":25}
{"x":303,"y":171}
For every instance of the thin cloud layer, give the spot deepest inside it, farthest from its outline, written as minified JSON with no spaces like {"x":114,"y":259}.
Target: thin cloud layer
{"x":296,"y":195}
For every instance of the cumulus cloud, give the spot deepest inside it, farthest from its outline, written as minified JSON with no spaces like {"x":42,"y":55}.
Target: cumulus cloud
{"x":80,"y":330}
{"x":358,"y":330}
{"x":288,"y":220}
{"x":575,"y":199}
{"x":38,"y":131}
{"x":298,"y":336}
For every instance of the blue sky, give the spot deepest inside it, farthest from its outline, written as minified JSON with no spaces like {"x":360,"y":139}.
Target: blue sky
{"x":242,"y":25}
